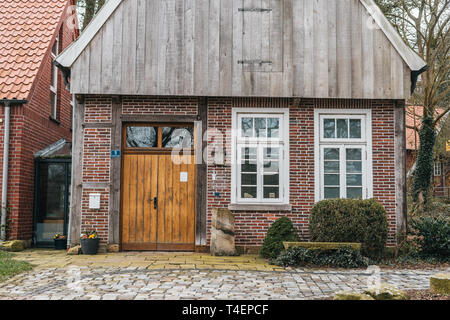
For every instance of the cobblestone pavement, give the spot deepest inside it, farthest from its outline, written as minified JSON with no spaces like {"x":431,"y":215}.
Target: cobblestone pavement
{"x":75,"y":282}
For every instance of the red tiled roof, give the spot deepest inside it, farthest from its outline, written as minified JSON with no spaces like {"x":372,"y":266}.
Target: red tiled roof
{"x":414,"y":119}
{"x":26,"y":29}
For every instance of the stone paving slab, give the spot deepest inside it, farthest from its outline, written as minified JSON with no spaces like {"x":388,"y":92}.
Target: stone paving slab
{"x":87,"y":283}
{"x":46,"y":258}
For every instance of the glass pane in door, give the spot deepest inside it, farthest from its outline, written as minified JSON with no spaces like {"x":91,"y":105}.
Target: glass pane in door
{"x":51,"y":201}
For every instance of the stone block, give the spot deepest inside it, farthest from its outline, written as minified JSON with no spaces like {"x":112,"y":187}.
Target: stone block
{"x":13,"y":246}
{"x":112,"y":248}
{"x":222,"y":233}
{"x":440,"y":283}
{"x":387,"y":292}
{"x":346,"y":295}
{"x":74,"y":250}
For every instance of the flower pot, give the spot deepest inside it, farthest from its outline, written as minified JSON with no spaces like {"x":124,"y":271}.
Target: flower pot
{"x":89,"y":246}
{"x":60,"y":244}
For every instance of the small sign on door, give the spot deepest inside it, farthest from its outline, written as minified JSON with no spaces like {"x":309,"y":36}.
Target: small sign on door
{"x":183,"y":176}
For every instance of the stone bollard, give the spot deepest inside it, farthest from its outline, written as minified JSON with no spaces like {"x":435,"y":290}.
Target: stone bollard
{"x":222,"y":233}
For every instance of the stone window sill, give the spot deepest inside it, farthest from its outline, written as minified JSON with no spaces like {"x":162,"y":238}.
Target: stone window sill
{"x":259,"y":207}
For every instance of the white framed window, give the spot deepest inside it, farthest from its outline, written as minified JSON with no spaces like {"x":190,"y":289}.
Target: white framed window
{"x":343,"y":154}
{"x":260,"y":156}
{"x":437,"y":169}
{"x":54,"y":81}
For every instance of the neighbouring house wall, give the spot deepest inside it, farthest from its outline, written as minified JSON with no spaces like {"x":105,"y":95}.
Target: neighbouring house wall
{"x":31,"y":131}
{"x":251,"y":227}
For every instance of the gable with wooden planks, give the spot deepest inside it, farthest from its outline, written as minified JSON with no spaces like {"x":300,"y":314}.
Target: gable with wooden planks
{"x":267,"y":48}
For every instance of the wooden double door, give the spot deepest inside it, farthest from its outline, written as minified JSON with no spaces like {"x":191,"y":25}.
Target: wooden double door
{"x":158,"y":202}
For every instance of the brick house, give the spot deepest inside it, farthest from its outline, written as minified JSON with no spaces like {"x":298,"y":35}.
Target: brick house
{"x":34,"y":102}
{"x":262,"y":107}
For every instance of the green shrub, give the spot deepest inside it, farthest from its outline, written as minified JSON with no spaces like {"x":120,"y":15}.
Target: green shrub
{"x":347,"y":220}
{"x":434,"y":235}
{"x":281,"y":230}
{"x":343,"y":257}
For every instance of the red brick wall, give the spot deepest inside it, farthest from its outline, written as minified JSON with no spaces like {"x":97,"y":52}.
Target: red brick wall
{"x":251,"y":227}
{"x":31,"y":131}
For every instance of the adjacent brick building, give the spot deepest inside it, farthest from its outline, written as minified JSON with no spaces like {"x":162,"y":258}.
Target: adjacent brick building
{"x":32,"y":33}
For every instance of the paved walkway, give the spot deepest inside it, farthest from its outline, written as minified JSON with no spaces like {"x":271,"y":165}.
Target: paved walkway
{"x":187,"y":276}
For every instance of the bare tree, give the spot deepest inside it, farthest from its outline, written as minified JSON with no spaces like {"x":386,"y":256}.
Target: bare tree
{"x":88,"y":9}
{"x":424,"y":26}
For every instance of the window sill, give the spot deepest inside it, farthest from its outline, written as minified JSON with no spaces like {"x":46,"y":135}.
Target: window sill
{"x":259,"y":207}
{"x":54,"y":120}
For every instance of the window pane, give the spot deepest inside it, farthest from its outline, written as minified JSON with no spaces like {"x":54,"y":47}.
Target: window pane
{"x":271,"y":192}
{"x":142,"y":137}
{"x":247,"y":127}
{"x":332,"y":179}
{"x":248,"y":192}
{"x":248,"y":166}
{"x":355,"y":128}
{"x":331,"y":166}
{"x":248,"y":179}
{"x":271,"y":179}
{"x":342,"y":128}
{"x":52,"y":104}
{"x":354,"y":180}
{"x":249,"y":153}
{"x":329,"y":128}
{"x":260,"y":127}
{"x":353,"y":154}
{"x":332,"y":193}
{"x":273,"y":130}
{"x":173,"y":137}
{"x":271,"y":166}
{"x":271,"y":153}
{"x":354,"y":166}
{"x":331,"y":154}
{"x":354,"y":193}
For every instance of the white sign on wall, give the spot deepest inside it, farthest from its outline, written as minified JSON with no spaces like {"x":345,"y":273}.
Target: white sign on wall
{"x":183,"y":176}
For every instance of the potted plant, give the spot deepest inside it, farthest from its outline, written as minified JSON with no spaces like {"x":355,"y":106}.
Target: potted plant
{"x":60,"y":241}
{"x":89,"y":242}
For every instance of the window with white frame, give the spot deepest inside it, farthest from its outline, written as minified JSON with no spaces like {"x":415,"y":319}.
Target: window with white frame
{"x":260,"y":149}
{"x":437,"y":169}
{"x":343,"y":150}
{"x":54,"y":81}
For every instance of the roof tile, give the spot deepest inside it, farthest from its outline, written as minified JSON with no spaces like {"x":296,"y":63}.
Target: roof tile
{"x":26,"y":29}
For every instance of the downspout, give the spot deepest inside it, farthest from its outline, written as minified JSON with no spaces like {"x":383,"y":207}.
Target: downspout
{"x":7,"y":104}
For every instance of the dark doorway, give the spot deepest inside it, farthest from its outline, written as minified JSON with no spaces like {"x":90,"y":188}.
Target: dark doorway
{"x":52,"y":194}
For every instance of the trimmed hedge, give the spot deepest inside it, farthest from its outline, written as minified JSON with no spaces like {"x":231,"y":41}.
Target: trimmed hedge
{"x":348,"y":220}
{"x":281,"y":230}
{"x":343,"y":257}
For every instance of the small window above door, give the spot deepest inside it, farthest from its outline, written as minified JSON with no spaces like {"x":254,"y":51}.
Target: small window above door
{"x":158,"y":136}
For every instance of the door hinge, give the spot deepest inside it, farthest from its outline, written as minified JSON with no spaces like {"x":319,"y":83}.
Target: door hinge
{"x":260,"y":62}
{"x":255,"y":9}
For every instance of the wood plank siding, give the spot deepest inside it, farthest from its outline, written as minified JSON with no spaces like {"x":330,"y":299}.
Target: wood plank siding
{"x":246,"y":48}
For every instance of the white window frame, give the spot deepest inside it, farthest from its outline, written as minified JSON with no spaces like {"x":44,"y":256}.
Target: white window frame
{"x":282,"y":142}
{"x":365,"y":142}
{"x":437,"y":169}
{"x":54,"y":82}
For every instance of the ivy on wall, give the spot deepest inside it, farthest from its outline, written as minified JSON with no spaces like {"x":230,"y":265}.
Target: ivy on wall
{"x":424,"y":169}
